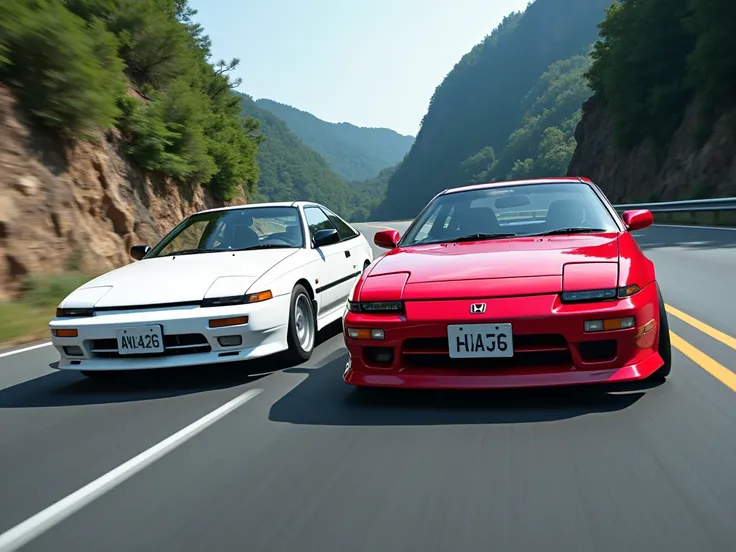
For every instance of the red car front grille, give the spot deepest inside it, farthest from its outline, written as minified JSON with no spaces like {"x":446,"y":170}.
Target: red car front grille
{"x":529,"y":350}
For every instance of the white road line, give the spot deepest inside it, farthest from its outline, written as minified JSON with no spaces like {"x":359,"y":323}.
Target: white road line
{"x":25,"y":349}
{"x":29,"y":529}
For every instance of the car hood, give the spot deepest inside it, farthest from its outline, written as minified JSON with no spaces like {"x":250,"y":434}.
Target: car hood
{"x":504,"y":258}
{"x":180,"y":279}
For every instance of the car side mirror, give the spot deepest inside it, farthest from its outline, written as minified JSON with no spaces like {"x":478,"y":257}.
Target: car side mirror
{"x":386,"y":239}
{"x":328,"y":236}
{"x":139,"y":251}
{"x":638,"y":219}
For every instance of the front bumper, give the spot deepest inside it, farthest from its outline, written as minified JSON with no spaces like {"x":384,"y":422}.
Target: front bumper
{"x":551,"y":347}
{"x":188,"y":339}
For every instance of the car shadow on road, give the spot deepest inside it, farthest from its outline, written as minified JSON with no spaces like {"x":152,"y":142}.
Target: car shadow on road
{"x":66,"y":388}
{"x":324,"y":399}
{"x":70,"y":388}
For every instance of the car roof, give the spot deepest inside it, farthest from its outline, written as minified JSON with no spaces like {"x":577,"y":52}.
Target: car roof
{"x":264,"y":204}
{"x":487,"y":185}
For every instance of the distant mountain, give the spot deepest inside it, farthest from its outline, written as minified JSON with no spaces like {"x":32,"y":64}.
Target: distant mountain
{"x":508,"y":108}
{"x":368,"y":194}
{"x":354,"y":153}
{"x":291,"y":171}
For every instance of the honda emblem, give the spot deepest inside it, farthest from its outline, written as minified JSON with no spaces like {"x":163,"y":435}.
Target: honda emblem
{"x":477,"y":308}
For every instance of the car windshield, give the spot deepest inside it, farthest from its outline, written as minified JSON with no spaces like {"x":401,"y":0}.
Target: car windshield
{"x":511,"y":211}
{"x":234,"y":230}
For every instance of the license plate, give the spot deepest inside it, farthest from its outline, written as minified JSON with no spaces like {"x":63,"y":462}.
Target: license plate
{"x":480,"y":341}
{"x":140,"y":340}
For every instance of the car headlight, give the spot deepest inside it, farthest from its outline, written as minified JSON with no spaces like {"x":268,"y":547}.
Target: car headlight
{"x":599,"y":294}
{"x":378,"y":307}
{"x":238,"y":299}
{"x":74,"y":313}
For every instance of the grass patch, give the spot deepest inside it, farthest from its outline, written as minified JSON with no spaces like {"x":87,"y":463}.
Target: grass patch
{"x":26,"y":318}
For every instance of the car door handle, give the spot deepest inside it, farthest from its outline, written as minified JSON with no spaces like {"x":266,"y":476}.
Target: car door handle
{"x":347,"y":253}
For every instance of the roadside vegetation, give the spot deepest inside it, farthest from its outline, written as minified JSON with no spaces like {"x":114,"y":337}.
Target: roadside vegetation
{"x":655,"y":57}
{"x":141,"y":66}
{"x":27,"y":317}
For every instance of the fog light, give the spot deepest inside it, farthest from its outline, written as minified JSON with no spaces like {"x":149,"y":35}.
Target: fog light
{"x":380,"y":355}
{"x":73,"y":350}
{"x":365,"y":333}
{"x":230,"y":340}
{"x":65,"y":332}
{"x":610,"y":324}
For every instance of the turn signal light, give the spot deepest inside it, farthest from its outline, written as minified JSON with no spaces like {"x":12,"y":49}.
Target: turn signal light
{"x":225,"y":322}
{"x":365,"y":333}
{"x":65,"y":332}
{"x":609,"y":324}
{"x":645,"y":335}
{"x":258,"y":297}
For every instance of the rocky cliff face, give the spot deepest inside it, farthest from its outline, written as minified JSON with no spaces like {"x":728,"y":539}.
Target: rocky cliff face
{"x":688,"y":170}
{"x":79,"y":204}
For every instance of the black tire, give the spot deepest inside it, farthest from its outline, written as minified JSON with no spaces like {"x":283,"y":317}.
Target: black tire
{"x":297,"y":353}
{"x":665,"y":347}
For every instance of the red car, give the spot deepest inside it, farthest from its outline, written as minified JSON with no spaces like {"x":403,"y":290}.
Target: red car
{"x":507,"y":285}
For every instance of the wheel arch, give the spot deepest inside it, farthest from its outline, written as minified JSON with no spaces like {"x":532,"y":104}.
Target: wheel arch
{"x":310,"y":290}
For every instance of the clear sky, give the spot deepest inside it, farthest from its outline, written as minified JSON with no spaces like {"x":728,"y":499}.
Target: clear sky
{"x":372,"y":63}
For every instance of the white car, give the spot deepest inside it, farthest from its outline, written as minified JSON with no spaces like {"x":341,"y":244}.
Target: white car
{"x":225,"y":285}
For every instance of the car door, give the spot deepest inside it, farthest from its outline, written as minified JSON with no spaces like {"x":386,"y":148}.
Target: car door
{"x":354,"y":249}
{"x":334,"y":269}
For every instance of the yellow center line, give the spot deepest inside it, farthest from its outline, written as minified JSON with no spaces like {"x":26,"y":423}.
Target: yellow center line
{"x":713,"y":367}
{"x":702,"y":326}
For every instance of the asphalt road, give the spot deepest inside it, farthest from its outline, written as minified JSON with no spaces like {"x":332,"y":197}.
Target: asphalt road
{"x":302,"y":464}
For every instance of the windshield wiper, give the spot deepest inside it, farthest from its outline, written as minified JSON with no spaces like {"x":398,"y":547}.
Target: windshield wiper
{"x":191,"y":252}
{"x":479,"y":237}
{"x":265,"y":246}
{"x":572,"y":230}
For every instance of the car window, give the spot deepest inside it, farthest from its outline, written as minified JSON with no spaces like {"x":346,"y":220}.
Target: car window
{"x":317,"y":220}
{"x":343,"y":228}
{"x":234,"y":229}
{"x":523,"y":210}
{"x":189,"y":237}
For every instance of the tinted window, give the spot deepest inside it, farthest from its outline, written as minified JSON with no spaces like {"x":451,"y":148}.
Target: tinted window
{"x":316,"y":220}
{"x":523,"y":210}
{"x":343,"y":228}
{"x":234,"y":229}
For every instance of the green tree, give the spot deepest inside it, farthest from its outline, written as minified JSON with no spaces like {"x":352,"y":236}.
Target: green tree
{"x":640,"y":70}
{"x":69,"y":61}
{"x":478,"y":167}
{"x":712,"y":63}
{"x":65,"y":69}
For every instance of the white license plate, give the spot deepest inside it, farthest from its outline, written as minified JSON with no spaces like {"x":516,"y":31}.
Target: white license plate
{"x":140,"y":340}
{"x":480,"y":341}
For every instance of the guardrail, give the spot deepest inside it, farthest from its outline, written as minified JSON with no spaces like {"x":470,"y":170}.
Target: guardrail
{"x":686,"y":206}
{"x":719,"y":211}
